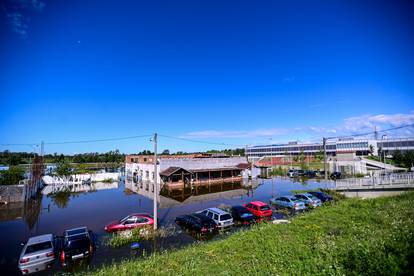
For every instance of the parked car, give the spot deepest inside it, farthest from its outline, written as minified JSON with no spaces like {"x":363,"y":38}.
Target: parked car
{"x":130,"y":222}
{"x":37,"y":254}
{"x":324,"y":197}
{"x":242,"y":215}
{"x":301,"y":172}
{"x":309,"y":199}
{"x":310,"y":173}
{"x":288,"y":202}
{"x":78,"y":243}
{"x":335,"y":175}
{"x":197,"y":222}
{"x":292,"y":173}
{"x":221,"y":218}
{"x":259,"y":209}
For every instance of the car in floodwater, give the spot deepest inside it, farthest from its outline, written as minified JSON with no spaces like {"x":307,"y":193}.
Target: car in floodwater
{"x":310,"y":200}
{"x":324,"y":197}
{"x":197,"y":222}
{"x":222,"y":218}
{"x":242,"y":216}
{"x":259,"y":209}
{"x":78,"y":243}
{"x":37,"y":254}
{"x":290,"y":202}
{"x":130,"y":222}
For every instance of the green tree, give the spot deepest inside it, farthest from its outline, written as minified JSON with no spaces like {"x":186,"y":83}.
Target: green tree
{"x":63,"y":169}
{"x":12,"y":176}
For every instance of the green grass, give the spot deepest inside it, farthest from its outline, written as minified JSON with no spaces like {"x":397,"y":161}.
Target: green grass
{"x":352,"y":237}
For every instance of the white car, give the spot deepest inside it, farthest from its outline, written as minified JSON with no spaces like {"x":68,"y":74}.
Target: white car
{"x":37,"y":254}
{"x":222,"y":218}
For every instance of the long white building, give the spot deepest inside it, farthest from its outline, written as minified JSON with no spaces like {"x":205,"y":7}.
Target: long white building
{"x":361,"y":147}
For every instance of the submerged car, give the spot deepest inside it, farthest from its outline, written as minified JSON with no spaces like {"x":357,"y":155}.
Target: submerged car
{"x":242,"y":216}
{"x":78,"y":243}
{"x":130,"y":222}
{"x":324,"y":197}
{"x":335,"y":175}
{"x":288,"y":202}
{"x":222,"y":218}
{"x":310,"y":200}
{"x":259,"y":209}
{"x":197,"y":222}
{"x":37,"y":254}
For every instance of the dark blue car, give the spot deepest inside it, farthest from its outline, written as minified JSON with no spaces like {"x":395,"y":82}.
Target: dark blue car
{"x":322,"y":196}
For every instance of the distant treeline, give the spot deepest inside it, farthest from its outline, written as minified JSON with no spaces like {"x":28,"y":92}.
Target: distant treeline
{"x":114,"y":156}
{"x":16,"y":158}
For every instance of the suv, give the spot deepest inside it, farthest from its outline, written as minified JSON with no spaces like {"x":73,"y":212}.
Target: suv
{"x":78,"y":243}
{"x":197,"y":222}
{"x":37,"y":254}
{"x":222,"y":218}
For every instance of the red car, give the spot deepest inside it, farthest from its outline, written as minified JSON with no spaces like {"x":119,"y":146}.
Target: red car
{"x":259,"y":209}
{"x":130,"y":222}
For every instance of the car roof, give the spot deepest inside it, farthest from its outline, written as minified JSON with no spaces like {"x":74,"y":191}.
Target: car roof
{"x":140,"y":215}
{"x":258,"y":203}
{"x":200,"y":216}
{"x":238,"y":207}
{"x":217,"y":210}
{"x":40,"y":239}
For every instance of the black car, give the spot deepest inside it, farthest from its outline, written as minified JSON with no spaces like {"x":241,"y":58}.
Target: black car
{"x":242,"y":216}
{"x":322,"y":196}
{"x":77,"y":243}
{"x":310,"y":173}
{"x":197,"y":222}
{"x":335,"y":175}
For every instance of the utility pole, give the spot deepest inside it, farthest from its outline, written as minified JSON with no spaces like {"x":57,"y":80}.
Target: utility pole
{"x":324,"y":157}
{"x":155,"y":183}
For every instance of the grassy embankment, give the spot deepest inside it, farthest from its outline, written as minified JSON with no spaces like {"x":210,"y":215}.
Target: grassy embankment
{"x":353,"y":236}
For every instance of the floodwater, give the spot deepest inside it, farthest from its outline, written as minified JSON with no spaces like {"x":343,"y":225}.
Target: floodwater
{"x":95,"y":206}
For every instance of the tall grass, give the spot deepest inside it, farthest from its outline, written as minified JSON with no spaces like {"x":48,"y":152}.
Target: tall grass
{"x":352,"y":237}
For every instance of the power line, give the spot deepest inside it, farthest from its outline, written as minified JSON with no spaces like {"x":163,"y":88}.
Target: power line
{"x":200,"y":141}
{"x":98,"y":140}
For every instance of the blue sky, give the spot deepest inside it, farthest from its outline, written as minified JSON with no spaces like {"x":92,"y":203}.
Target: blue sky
{"x":235,"y":72}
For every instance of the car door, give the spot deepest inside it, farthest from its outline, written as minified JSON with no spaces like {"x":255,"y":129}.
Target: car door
{"x":130,"y":223}
{"x":141,"y":222}
{"x":216,"y":218}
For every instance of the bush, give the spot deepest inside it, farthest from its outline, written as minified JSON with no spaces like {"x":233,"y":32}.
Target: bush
{"x":12,"y":176}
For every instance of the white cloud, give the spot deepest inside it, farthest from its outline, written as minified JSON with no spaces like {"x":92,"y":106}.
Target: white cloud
{"x":237,"y":133}
{"x":352,"y":125}
{"x":289,"y":79}
{"x":16,"y":12}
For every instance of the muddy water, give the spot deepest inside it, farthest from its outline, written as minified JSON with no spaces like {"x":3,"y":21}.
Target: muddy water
{"x":98,"y":205}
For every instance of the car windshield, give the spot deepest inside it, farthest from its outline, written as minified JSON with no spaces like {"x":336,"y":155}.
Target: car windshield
{"x":79,"y":243}
{"x":225,"y":217}
{"x":124,"y":219}
{"x":264,"y":208}
{"x":38,"y":247}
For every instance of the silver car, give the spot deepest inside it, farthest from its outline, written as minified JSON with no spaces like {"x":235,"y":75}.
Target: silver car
{"x":37,"y":254}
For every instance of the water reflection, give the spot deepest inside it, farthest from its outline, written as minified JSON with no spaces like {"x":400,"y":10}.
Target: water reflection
{"x":94,"y":205}
{"x":28,"y":211}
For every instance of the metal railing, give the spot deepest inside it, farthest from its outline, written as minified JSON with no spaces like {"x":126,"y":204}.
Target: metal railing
{"x":390,"y":180}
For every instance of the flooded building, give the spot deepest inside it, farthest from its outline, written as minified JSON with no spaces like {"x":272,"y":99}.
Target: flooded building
{"x":180,"y":171}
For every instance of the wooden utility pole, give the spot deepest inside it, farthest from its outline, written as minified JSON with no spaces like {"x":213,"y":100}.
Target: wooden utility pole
{"x":324,"y":157}
{"x":155,"y":182}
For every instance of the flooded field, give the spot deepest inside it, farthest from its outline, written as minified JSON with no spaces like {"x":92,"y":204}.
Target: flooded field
{"x":98,"y":204}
